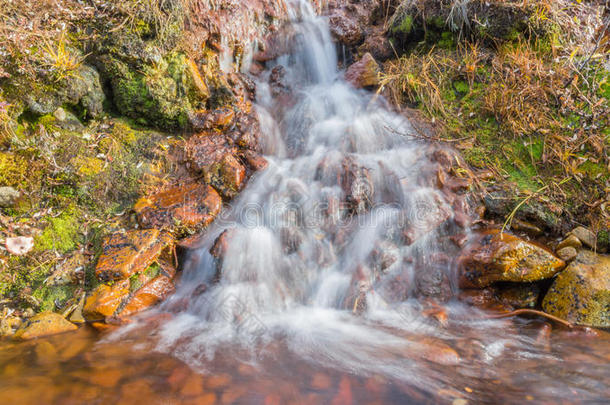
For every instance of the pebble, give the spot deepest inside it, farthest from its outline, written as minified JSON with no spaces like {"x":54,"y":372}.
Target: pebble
{"x":567,"y":253}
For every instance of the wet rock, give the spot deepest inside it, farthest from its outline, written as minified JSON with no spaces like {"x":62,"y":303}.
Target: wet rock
{"x":191,"y":206}
{"x":279,"y":82}
{"x":423,"y":216}
{"x":497,"y":256}
{"x":255,"y":161}
{"x":105,"y":300}
{"x":206,"y":150}
{"x":153,"y":292}
{"x":581,"y":293}
{"x":570,"y":241}
{"x":43,"y":324}
{"x":228,"y":177}
{"x":8,"y":324}
{"x":519,"y":296}
{"x":586,"y":236}
{"x":357,"y":184}
{"x":216,"y":160}
{"x":364,"y":73}
{"x":567,"y":253}
{"x":345,"y":28}
{"x":220,"y":119}
{"x":8,"y":197}
{"x":124,"y":254}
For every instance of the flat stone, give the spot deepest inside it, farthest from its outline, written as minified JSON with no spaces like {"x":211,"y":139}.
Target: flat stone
{"x":153,"y":292}
{"x":581,"y":293}
{"x":193,"y":206}
{"x":124,"y":254}
{"x":497,"y":256}
{"x":8,"y":197}
{"x":105,"y":300}
{"x":43,"y":324}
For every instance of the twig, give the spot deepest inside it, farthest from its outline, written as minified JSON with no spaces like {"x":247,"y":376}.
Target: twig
{"x":525,"y":311}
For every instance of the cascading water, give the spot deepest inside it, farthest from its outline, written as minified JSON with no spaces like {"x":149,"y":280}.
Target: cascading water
{"x":325,"y":252}
{"x":329,"y":280}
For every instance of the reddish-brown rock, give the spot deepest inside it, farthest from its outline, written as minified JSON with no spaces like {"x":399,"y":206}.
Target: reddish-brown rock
{"x":124,"y":254}
{"x":364,"y":73}
{"x":357,"y":185}
{"x":193,"y":206}
{"x":105,"y":300}
{"x":346,"y":28}
{"x":153,"y":292}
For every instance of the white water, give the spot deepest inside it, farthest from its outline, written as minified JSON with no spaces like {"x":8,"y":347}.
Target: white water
{"x":304,"y":268}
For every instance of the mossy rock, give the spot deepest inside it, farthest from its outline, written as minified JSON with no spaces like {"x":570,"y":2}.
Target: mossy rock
{"x":159,"y":95}
{"x":581,"y":293}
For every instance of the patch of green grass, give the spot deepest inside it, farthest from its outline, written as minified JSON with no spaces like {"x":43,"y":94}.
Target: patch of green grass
{"x":61,"y":234}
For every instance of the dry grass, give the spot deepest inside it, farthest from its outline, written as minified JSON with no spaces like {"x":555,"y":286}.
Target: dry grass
{"x":538,"y":95}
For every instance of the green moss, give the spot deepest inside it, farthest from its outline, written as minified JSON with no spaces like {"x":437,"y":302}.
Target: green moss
{"x":61,"y":234}
{"x":13,"y":169}
{"x":403,"y":26}
{"x":49,"y":296}
{"x":159,"y":95}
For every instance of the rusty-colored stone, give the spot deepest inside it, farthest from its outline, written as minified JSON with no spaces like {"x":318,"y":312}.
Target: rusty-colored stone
{"x":105,"y":300}
{"x":364,"y":73}
{"x":43,"y":324}
{"x":148,"y":295}
{"x":193,"y":206}
{"x":125,"y":254}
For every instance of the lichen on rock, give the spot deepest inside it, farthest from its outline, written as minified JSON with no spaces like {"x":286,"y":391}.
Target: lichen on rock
{"x":581,"y":293}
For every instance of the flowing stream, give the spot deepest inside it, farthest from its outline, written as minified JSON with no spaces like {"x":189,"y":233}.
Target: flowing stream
{"x":321,"y":282}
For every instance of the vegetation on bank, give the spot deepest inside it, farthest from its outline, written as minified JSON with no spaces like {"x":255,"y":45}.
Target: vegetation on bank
{"x":93,"y":97}
{"x":522,"y":88}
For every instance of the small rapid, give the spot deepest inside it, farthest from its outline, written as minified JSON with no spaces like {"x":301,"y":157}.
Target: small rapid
{"x":339,"y":251}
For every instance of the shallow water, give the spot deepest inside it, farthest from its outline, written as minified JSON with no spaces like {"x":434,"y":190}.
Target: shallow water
{"x":334,"y":282}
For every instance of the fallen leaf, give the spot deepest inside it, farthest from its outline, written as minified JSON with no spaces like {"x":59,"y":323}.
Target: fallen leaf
{"x":19,"y":245}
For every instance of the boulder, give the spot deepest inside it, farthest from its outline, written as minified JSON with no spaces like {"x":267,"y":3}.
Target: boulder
{"x":497,"y":256}
{"x":124,"y":254}
{"x":581,"y":293}
{"x":162,"y":93}
{"x":191,"y":206}
{"x":345,"y":28}
{"x":105,"y":300}
{"x":153,"y":292}
{"x":364,"y":73}
{"x":43,"y":324}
